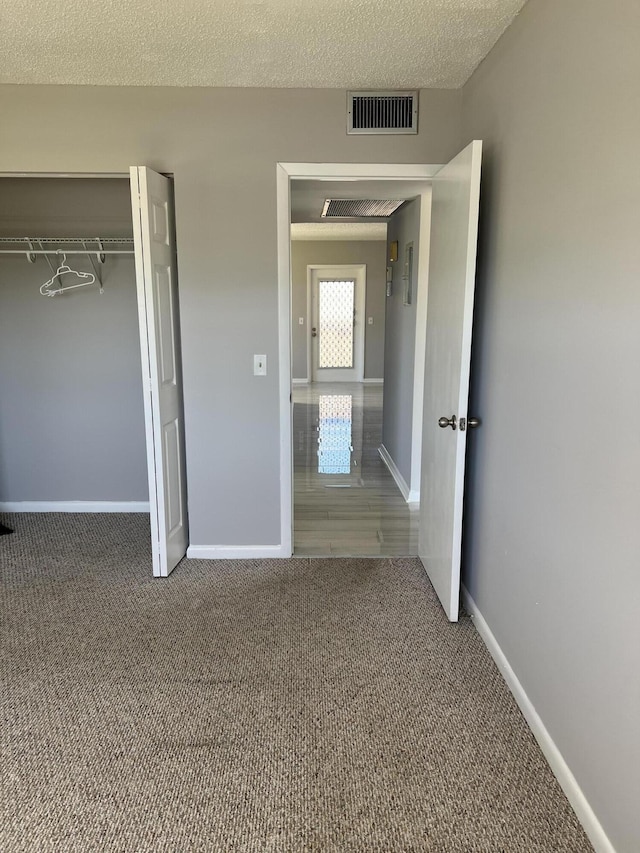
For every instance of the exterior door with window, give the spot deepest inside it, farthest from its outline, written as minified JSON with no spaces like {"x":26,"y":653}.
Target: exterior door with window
{"x":337,"y":323}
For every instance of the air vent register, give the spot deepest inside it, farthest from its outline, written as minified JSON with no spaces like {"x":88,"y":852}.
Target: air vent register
{"x":382,"y":112}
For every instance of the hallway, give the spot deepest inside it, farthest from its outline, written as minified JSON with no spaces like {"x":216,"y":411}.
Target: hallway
{"x":346,"y":502}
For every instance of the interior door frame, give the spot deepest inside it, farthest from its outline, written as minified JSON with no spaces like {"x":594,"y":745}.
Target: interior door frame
{"x":285,"y":173}
{"x":359,"y":274}
{"x":106,"y":175}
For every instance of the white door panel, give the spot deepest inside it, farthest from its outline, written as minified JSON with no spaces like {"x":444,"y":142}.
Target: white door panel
{"x":159,"y":335}
{"x":452,"y":263}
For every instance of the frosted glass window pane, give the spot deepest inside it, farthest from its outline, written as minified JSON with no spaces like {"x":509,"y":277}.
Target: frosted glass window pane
{"x":334,"y":434}
{"x":335,"y":321}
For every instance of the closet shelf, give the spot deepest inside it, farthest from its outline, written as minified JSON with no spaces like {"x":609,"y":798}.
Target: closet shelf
{"x":98,"y":246}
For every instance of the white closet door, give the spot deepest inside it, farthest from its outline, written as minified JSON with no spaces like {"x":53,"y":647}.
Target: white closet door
{"x":157,"y":288}
{"x":452,"y":274}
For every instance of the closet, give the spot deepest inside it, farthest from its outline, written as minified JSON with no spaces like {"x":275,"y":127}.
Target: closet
{"x":88,"y":308}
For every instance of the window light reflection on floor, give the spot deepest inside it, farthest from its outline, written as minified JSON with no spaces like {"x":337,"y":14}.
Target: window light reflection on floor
{"x":334,"y":434}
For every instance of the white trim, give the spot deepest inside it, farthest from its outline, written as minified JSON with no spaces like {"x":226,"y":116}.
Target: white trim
{"x":145,"y":364}
{"x":420,"y":351}
{"x":74,"y":506}
{"x":304,"y":381}
{"x":358,"y":272}
{"x":361,"y":171}
{"x":373,"y":381}
{"x":309,"y":323}
{"x":410,"y":496}
{"x":559,"y":766}
{"x":236,"y":552}
{"x":283,"y":228}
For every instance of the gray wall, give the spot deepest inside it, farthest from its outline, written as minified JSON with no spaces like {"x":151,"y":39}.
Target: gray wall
{"x":400,"y":341}
{"x":71,"y":411}
{"x":369,"y":252}
{"x":552,"y":542}
{"x":222,"y":146}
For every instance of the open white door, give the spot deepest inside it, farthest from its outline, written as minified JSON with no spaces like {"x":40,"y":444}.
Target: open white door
{"x":157,"y":287}
{"x":452,"y":271}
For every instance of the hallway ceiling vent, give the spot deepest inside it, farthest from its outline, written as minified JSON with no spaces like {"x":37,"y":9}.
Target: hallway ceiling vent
{"x":382,"y":112}
{"x":373,"y":208}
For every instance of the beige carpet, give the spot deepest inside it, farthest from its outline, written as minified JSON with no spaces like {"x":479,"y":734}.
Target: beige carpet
{"x":286,"y":705}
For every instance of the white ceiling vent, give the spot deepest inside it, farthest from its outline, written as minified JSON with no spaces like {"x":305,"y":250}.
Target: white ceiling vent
{"x":379,"y":208}
{"x":382,"y":112}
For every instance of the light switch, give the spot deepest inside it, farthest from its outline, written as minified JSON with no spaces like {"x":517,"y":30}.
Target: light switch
{"x":370,"y":321}
{"x":259,"y":365}
{"x":301,"y":321}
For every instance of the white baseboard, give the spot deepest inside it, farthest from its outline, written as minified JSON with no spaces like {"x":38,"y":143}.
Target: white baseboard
{"x":236,"y":552}
{"x":559,"y":766}
{"x":373,"y":381}
{"x":411,"y":497}
{"x":74,"y":506}
{"x":299,"y":381}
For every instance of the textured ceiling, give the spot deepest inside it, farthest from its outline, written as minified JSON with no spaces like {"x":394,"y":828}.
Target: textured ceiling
{"x":274,"y":43}
{"x":339,"y":231}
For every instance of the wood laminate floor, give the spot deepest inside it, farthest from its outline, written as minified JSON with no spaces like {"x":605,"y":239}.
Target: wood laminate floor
{"x":345,"y":500}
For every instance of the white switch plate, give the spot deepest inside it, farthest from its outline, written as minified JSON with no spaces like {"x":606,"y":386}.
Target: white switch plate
{"x":259,"y":365}
{"x":370,"y":321}
{"x":301,"y":321}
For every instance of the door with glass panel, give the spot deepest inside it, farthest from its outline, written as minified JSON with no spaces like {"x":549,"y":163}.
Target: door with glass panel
{"x":337,"y":323}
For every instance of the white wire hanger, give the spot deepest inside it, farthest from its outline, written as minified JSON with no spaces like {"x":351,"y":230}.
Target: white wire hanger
{"x":86,"y":278}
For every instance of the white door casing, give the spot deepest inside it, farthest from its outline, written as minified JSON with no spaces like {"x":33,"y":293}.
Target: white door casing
{"x":157,"y":290}
{"x":452,"y":270}
{"x":349,"y":272}
{"x":285,"y":173}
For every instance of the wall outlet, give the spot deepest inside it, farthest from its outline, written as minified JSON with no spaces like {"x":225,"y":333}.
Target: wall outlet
{"x":259,"y":365}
